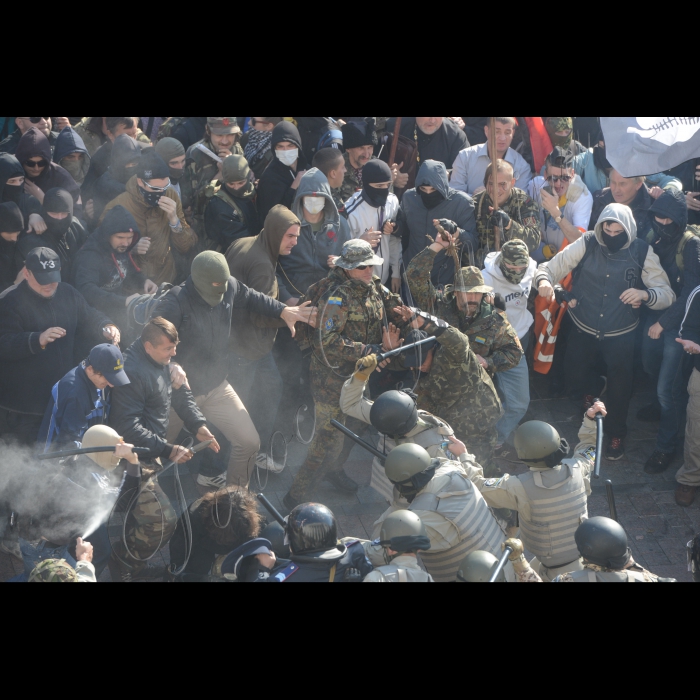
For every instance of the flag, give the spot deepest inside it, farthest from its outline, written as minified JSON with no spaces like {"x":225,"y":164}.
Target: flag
{"x":540,"y":142}
{"x":638,"y":146}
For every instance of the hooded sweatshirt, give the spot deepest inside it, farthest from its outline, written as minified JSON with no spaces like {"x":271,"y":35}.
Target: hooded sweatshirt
{"x":69,"y":142}
{"x":253,"y":261}
{"x":9,"y":169}
{"x":672,"y":205}
{"x":35,"y":145}
{"x":11,"y":261}
{"x":602,"y":276}
{"x":125,"y":150}
{"x":416,"y":221}
{"x":104,"y":276}
{"x":308,"y":263}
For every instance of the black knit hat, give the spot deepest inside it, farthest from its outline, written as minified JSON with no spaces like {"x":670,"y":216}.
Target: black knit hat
{"x":118,"y":220}
{"x":376,"y":171}
{"x":354,"y":136}
{"x":286,"y":131}
{"x":153,"y":167}
{"x":11,"y":219}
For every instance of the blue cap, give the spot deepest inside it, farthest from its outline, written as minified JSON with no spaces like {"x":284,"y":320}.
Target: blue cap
{"x":109,"y":362}
{"x":234,"y":561}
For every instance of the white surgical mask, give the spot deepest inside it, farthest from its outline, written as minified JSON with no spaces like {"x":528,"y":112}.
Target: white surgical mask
{"x":288,"y":157}
{"x":314,"y":205}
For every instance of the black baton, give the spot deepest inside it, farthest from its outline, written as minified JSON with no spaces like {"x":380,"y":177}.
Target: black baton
{"x":272,"y":510}
{"x":501,"y":565}
{"x":356,"y":438}
{"x":89,"y":451}
{"x":398,"y":351}
{"x":611,"y":500}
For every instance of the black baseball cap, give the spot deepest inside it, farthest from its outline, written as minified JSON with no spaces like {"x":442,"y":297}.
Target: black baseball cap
{"x":45,"y":265}
{"x":561,"y":157}
{"x":109,"y":362}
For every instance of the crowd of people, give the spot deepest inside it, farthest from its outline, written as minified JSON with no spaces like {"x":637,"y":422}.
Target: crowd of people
{"x":189,"y":289}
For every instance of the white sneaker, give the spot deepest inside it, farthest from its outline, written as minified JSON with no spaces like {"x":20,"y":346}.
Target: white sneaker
{"x":266,"y":462}
{"x":212,"y":482}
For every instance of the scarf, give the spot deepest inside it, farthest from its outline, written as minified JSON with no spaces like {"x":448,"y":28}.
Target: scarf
{"x":258,"y":146}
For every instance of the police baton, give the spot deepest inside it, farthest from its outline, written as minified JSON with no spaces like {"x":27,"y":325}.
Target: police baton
{"x":272,"y":510}
{"x":357,"y":439}
{"x":501,"y":564}
{"x":611,"y":500}
{"x":403,"y":348}
{"x":598,"y":443}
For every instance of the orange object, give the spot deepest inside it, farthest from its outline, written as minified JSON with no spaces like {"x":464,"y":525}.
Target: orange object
{"x":540,"y":142}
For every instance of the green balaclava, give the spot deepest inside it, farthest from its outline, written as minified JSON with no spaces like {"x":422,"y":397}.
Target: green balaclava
{"x":169,"y":149}
{"x":210,"y":269}
{"x":236,"y":169}
{"x":514,"y":253}
{"x":555,"y":124}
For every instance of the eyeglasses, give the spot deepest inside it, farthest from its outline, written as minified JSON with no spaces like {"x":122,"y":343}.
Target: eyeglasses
{"x":553,"y":179}
{"x":36,"y":163}
{"x":362,"y":268}
{"x":157,"y":189}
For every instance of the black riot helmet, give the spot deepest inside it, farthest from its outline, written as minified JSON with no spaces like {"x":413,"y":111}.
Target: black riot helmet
{"x":311,"y":528}
{"x":603,"y":542}
{"x":394,"y":413}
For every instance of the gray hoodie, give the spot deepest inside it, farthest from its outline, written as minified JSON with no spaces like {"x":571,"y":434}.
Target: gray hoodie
{"x":308,"y":263}
{"x":604,"y":276}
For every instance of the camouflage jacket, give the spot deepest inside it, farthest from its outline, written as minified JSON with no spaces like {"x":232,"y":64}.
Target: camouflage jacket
{"x":199,"y":183}
{"x":524,"y":213}
{"x":458,"y":388}
{"x":598,"y":574}
{"x":350,"y":185}
{"x":350,"y":315}
{"x":490,"y":334}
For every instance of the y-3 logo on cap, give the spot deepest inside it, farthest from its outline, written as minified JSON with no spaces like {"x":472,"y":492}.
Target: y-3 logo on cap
{"x":50,"y":264}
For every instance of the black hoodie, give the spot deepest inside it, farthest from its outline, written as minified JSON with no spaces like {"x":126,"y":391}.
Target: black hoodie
{"x":125,"y":150}
{"x":69,"y":142}
{"x":103,"y":276}
{"x":443,"y":146}
{"x":11,"y":168}
{"x":11,"y":261}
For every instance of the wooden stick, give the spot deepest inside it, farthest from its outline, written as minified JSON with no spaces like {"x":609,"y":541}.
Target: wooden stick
{"x":395,"y":142}
{"x":494,"y":178}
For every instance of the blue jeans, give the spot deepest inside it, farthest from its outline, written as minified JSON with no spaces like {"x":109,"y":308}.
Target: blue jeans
{"x":667,"y":364}
{"x":33,"y":555}
{"x":514,"y":389}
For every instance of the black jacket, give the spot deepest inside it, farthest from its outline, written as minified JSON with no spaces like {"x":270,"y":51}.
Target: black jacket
{"x":225,"y":225}
{"x":11,"y":262}
{"x":190,"y":131}
{"x":98,"y":167}
{"x":9,"y":145}
{"x":276,"y":186}
{"x":11,"y":168}
{"x":444,"y":145}
{"x":640,"y":209}
{"x":205,"y":331}
{"x":141,"y":410}
{"x":690,"y":329}
{"x":28,"y":373}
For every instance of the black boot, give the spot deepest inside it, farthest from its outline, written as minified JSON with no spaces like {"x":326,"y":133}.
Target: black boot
{"x":658,"y":463}
{"x":342,"y":482}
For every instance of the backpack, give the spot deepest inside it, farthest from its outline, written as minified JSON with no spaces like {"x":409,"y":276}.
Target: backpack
{"x":168,"y":126}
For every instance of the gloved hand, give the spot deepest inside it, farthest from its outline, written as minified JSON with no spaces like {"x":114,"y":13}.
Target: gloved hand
{"x":353,"y":576}
{"x":365,"y":367}
{"x":501,"y":219}
{"x":516,"y":546}
{"x":449,"y":226}
{"x":372,"y":350}
{"x":562,"y":295}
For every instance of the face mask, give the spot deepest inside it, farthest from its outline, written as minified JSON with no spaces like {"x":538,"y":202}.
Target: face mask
{"x":75,"y":168}
{"x":432,"y":200}
{"x":314,"y":205}
{"x":513,"y":276}
{"x":13,"y":193}
{"x":288,"y":157}
{"x":668,"y":231}
{"x":58,"y":226}
{"x":615,"y":243}
{"x":600,"y":158}
{"x":375,"y":197}
{"x":176,"y":173}
{"x":151,"y":198}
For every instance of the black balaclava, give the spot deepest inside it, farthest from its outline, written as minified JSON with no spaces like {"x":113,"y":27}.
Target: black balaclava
{"x":600,"y":157}
{"x":432,"y":200}
{"x":10,"y":168}
{"x":152,"y":167}
{"x":125,"y":150}
{"x":374,"y":172}
{"x":58,"y":201}
{"x":615,"y":243}
{"x":11,"y":219}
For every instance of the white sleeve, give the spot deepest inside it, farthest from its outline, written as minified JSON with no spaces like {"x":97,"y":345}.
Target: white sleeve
{"x":460,"y":172}
{"x":582,"y":210}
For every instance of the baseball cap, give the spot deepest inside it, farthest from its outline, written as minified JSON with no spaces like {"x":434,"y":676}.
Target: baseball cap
{"x":45,"y":265}
{"x":109,"y":362}
{"x":223,"y":125}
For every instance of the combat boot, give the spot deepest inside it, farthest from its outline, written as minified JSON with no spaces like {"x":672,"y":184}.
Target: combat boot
{"x":341,"y":481}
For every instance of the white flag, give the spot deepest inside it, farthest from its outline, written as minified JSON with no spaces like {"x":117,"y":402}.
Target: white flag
{"x":649,"y":145}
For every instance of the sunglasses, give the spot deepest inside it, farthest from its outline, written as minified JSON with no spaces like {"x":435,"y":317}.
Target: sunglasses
{"x":362,"y":268}
{"x":36,"y":163}
{"x":556,"y":178}
{"x":37,"y":120}
{"x":157,"y":189}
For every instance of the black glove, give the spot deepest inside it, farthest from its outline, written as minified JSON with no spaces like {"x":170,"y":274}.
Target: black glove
{"x":372,"y":350}
{"x":353,"y":576}
{"x":561,"y":295}
{"x":499,"y":302}
{"x":441,"y":326}
{"x":501,"y":219}
{"x":449,"y":226}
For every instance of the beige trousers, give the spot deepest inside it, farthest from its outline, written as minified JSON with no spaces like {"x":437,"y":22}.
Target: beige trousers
{"x":689,"y":473}
{"x":226,"y":411}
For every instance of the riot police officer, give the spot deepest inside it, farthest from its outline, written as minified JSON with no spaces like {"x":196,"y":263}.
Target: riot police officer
{"x":402,"y":536}
{"x":607,"y":557}
{"x":479,"y":567}
{"x":456,"y":517}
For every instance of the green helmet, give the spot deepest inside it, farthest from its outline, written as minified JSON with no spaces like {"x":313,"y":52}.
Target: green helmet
{"x":53,"y":571}
{"x":539,"y":445}
{"x":478,"y":567}
{"x":405,"y":462}
{"x":403,"y":531}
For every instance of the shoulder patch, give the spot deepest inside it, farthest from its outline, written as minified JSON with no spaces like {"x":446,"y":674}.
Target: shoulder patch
{"x":335,"y":301}
{"x":286,"y":574}
{"x":493,"y":483}
{"x":589,"y":454}
{"x":480,"y":340}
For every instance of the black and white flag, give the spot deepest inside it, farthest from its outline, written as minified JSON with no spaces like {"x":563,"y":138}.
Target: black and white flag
{"x":648,"y":145}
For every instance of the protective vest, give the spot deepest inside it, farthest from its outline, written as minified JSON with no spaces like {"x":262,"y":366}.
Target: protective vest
{"x":397,"y":574}
{"x":590,"y":576}
{"x":556,"y":512}
{"x":462,"y":504}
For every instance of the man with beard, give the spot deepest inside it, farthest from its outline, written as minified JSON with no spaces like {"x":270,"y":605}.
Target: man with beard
{"x":202,"y":170}
{"x":125,"y":158}
{"x":359,"y":144}
{"x":231,"y":213}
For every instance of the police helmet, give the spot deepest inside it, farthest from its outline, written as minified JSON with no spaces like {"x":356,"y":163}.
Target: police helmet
{"x":311,"y":528}
{"x":403,"y":531}
{"x":540,"y":445}
{"x":603,"y":542}
{"x":405,"y":462}
{"x":394,"y":413}
{"x":478,"y":567}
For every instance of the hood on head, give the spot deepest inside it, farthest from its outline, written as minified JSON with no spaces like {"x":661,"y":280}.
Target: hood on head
{"x":315,"y":184}
{"x":117,"y":220}
{"x":33,"y":144}
{"x":434,"y":174}
{"x":623,"y":215}
{"x":11,"y":219}
{"x":277,"y":223}
{"x":671,"y":205}
{"x":67,"y":143}
{"x":286,"y":131}
{"x":9,"y":167}
{"x":125,"y":150}
{"x":58,"y":201}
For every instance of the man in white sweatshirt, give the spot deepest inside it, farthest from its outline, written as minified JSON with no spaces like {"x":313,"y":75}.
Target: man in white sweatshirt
{"x":511,"y":273}
{"x":372,"y":214}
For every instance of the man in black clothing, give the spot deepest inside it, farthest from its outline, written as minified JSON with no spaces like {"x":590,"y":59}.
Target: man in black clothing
{"x":12,"y":190}
{"x":124,"y":163}
{"x":190,"y":131}
{"x":279,"y":183}
{"x":9,"y":145}
{"x":11,"y":260}
{"x":39,"y":322}
{"x":437,"y":138}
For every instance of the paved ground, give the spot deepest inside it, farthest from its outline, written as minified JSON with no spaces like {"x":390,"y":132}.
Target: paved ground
{"x":658,"y":529}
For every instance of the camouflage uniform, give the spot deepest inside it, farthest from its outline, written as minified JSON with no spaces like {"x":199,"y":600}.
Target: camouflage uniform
{"x":351,"y":314}
{"x":597,"y":574}
{"x":490,"y":334}
{"x":351,"y":184}
{"x":168,"y":126}
{"x":524,"y":214}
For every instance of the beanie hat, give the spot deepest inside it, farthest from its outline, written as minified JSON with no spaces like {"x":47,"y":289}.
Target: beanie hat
{"x":210,"y":269}
{"x":354,"y":136}
{"x":169,"y":148}
{"x":153,"y":167}
{"x":118,"y":220}
{"x":235,"y":169}
{"x":376,"y":171}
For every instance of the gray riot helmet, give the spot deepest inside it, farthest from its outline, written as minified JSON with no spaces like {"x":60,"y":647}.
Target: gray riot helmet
{"x":603,"y":542}
{"x":478,"y":567}
{"x":539,"y":445}
{"x":403,"y":531}
{"x":410,"y":468}
{"x":394,"y":413}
